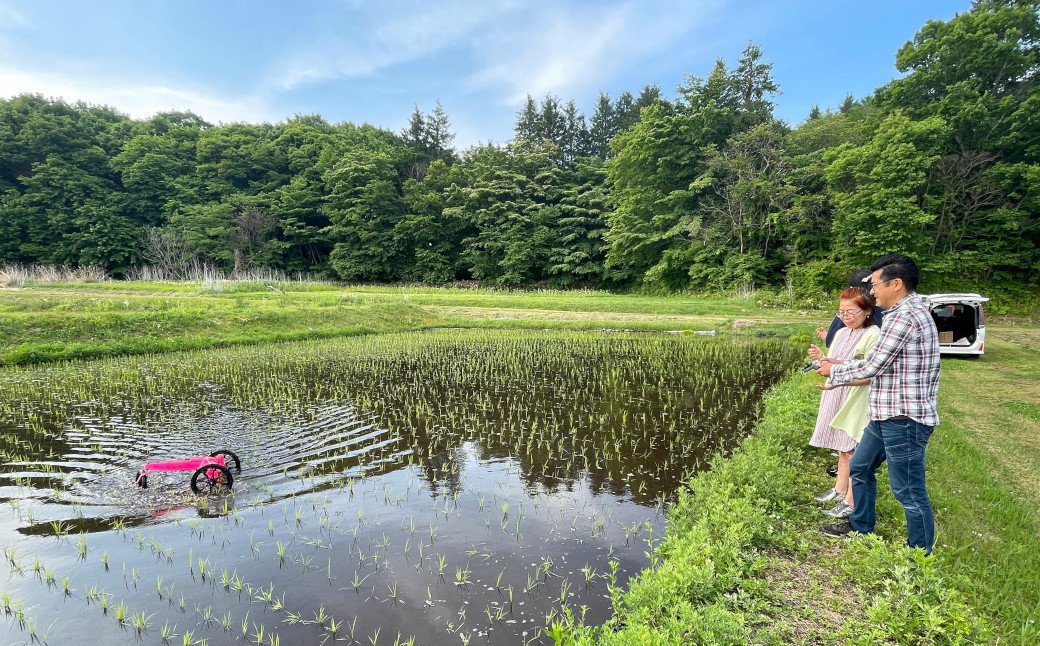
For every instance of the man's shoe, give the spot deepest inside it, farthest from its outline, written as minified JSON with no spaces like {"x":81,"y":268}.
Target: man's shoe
{"x":840,"y":530}
{"x":829,"y":496}
{"x":841,"y":511}
{"x":832,"y":471}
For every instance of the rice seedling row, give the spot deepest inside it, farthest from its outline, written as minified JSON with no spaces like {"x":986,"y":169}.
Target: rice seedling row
{"x":434,"y":487}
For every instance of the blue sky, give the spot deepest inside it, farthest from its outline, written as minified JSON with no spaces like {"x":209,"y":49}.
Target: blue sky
{"x":348,"y":60}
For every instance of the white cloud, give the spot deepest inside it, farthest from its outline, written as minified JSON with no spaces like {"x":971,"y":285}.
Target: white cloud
{"x":557,"y":52}
{"x":514,"y":49}
{"x":136,"y":95}
{"x":380,"y":35}
{"x":500,"y":48}
{"x":138,"y":99}
{"x":569,"y":49}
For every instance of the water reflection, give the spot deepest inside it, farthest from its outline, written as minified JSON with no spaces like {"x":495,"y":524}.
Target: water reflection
{"x":446,"y":485}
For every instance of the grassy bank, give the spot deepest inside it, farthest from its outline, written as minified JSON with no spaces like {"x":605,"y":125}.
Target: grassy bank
{"x":49,"y":324}
{"x":69,"y":321}
{"x":80,"y":330}
{"x":743,"y":560}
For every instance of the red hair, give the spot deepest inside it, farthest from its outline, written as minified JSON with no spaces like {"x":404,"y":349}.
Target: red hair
{"x":863,"y":300}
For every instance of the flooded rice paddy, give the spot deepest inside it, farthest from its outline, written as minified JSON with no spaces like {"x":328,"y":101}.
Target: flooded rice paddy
{"x":431,"y":488}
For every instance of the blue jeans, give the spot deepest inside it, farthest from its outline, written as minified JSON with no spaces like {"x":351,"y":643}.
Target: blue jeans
{"x":902,"y":442}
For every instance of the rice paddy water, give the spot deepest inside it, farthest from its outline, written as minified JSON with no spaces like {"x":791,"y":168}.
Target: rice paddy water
{"x":426,"y":488}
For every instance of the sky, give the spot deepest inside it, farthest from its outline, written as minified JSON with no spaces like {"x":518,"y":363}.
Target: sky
{"x":350,"y":60}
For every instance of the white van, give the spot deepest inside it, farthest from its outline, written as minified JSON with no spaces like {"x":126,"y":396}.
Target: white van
{"x":960,"y":321}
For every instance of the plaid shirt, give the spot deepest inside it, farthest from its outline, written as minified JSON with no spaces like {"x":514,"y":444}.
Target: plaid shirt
{"x":903,"y":366}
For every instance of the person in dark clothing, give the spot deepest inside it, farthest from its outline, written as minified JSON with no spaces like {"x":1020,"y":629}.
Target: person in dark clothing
{"x":855,"y":280}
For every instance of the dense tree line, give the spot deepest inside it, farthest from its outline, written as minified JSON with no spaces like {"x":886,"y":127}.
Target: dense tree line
{"x":704,"y":190}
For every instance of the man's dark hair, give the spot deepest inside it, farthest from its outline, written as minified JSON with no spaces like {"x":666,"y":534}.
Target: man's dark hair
{"x":896,"y":265}
{"x":856,"y":277}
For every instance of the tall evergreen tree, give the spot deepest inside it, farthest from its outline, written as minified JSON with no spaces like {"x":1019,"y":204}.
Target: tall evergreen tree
{"x":753,"y":83}
{"x":441,"y":137}
{"x":603,"y":127}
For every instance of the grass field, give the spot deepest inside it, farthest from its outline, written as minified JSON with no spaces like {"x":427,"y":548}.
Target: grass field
{"x":78,"y":321}
{"x":743,"y":548}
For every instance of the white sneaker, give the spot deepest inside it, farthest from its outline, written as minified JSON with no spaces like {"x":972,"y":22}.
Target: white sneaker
{"x":829,"y":496}
{"x":841,"y":511}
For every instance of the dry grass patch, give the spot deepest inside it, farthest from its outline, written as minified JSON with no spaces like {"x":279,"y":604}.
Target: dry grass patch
{"x":1027,"y":337}
{"x":816,"y":599}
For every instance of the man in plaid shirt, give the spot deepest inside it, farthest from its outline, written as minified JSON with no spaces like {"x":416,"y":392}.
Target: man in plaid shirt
{"x":904,"y":371}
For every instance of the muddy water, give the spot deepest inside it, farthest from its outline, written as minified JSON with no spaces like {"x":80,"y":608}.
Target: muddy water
{"x":449,"y":488}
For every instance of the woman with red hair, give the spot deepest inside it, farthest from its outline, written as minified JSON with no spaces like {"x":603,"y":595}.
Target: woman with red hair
{"x":843,"y":410}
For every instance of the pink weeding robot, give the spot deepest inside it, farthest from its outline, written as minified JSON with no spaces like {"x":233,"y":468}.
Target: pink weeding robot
{"x":212,"y":472}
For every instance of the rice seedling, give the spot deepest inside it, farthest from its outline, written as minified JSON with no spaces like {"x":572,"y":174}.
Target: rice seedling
{"x":205,"y":615}
{"x":462,"y":576}
{"x":60,"y":528}
{"x":167,"y":632}
{"x":334,"y":628}
{"x":139,"y":621}
{"x":320,"y":616}
{"x":258,"y":633}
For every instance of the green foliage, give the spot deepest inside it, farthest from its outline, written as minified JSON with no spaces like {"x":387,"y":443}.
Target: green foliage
{"x":690,"y":188}
{"x":878,"y":190}
{"x":364,"y":206}
{"x":701,"y":190}
{"x":510,"y":198}
{"x":579,"y":249}
{"x":743,"y":519}
{"x":553,"y":127}
{"x":915,"y":601}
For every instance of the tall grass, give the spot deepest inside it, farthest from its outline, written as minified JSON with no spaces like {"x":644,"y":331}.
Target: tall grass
{"x":215,"y":279}
{"x":19,"y":275}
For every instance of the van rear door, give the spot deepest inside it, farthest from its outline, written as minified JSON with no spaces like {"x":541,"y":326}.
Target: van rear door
{"x":960,"y":322}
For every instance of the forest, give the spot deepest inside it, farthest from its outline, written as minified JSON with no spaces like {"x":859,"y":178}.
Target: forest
{"x":703,"y":190}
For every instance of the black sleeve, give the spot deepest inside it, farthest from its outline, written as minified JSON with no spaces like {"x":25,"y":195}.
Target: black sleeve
{"x":836,"y":325}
